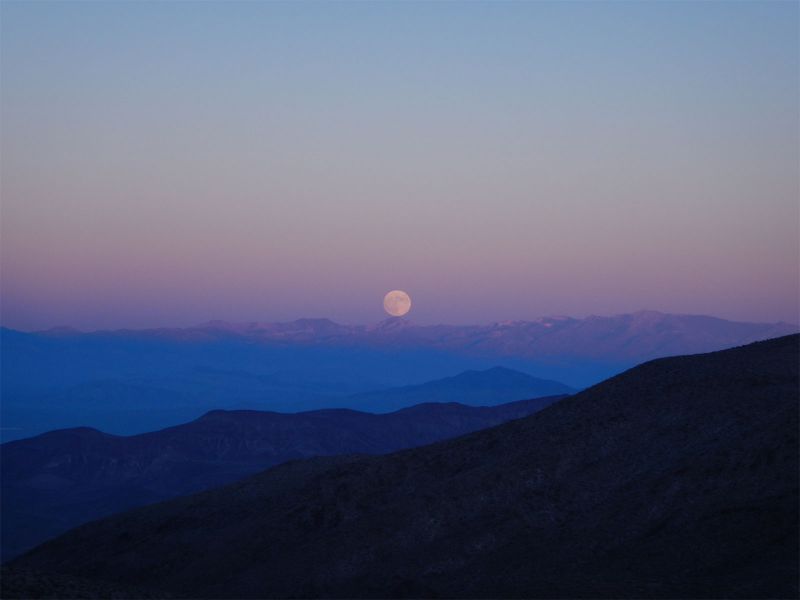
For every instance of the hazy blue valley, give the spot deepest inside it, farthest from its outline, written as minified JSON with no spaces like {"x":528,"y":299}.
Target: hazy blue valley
{"x":126,"y":382}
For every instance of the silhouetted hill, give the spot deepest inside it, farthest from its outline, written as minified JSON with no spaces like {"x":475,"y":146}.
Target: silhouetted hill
{"x":55,"y":481}
{"x":474,"y":388}
{"x":676,"y":479}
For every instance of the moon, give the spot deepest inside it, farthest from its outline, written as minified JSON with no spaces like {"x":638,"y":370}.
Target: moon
{"x":397,"y":303}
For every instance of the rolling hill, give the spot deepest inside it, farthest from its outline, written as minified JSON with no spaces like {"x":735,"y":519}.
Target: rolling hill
{"x":63,"y":478}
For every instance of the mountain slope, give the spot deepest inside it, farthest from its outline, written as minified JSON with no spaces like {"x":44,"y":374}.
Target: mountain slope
{"x":63,"y":478}
{"x":678,"y":478}
{"x":474,"y":388}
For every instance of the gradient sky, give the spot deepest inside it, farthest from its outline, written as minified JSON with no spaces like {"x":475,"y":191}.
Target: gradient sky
{"x":169,"y":163}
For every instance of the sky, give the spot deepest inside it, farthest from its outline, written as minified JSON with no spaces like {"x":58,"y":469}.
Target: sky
{"x":168,"y":163}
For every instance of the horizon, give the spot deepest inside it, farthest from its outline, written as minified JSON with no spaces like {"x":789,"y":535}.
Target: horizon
{"x":405,"y":319}
{"x":170,"y":163}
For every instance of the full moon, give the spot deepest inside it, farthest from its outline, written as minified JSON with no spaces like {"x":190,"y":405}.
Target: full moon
{"x":397,"y":303}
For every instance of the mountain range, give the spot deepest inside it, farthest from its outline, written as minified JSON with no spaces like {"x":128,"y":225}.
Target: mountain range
{"x":637,"y":336}
{"x":130,"y":406}
{"x":474,"y":388}
{"x":132,"y":381}
{"x":675,"y":479}
{"x":58,"y":480}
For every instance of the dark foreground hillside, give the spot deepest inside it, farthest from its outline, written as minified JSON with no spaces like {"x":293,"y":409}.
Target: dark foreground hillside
{"x":58,"y":480}
{"x":677,"y":479}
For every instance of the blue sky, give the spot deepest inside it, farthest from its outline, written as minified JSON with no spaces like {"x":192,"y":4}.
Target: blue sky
{"x":167,"y":163}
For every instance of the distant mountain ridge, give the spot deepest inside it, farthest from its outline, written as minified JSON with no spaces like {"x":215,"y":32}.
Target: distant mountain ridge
{"x":676,"y":479}
{"x":639,"y":336}
{"x":63,"y":478}
{"x":475,"y":388}
{"x":133,"y":381}
{"x":135,"y":403}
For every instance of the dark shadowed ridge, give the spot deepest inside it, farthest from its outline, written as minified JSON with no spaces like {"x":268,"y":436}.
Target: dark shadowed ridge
{"x":676,"y":479}
{"x":60,"y":479}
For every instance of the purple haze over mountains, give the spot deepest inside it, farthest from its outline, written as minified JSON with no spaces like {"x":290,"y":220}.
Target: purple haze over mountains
{"x":637,"y":336}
